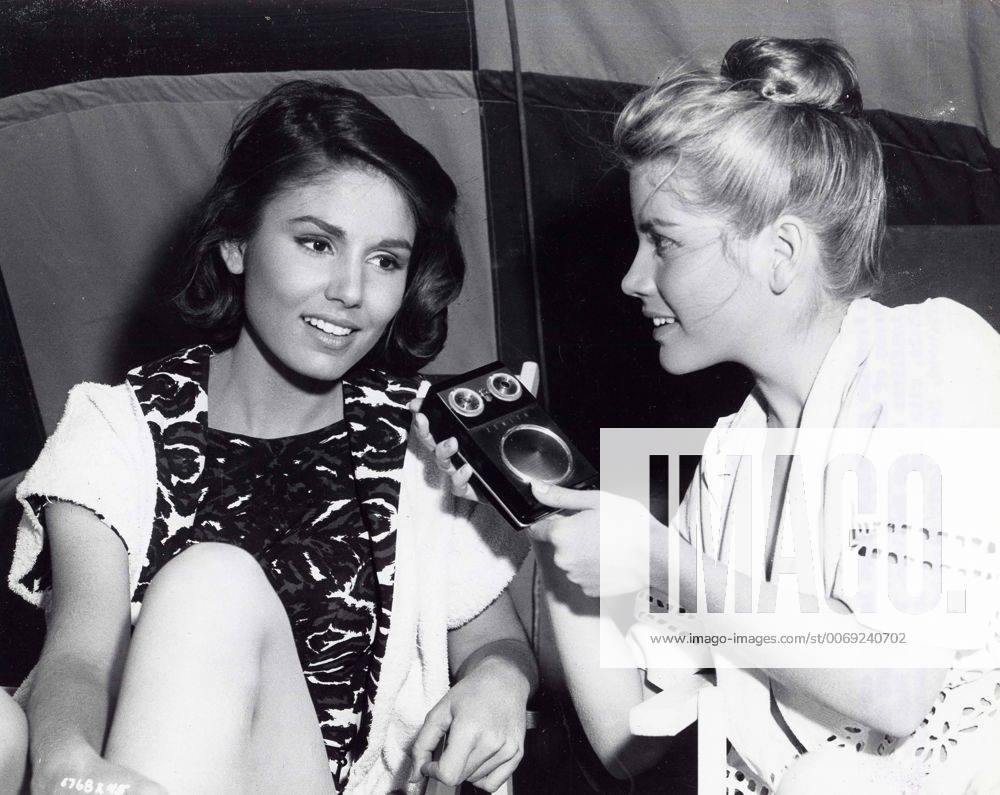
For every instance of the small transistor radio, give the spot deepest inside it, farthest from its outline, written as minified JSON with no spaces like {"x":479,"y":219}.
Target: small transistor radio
{"x":507,"y":439}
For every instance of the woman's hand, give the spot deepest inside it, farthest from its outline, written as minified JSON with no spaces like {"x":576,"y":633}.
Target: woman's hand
{"x":88,"y":773}
{"x":443,"y":451}
{"x":575,"y":537}
{"x":483,"y":717}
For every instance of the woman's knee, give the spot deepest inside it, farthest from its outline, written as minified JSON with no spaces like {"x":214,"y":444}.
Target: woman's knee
{"x":215,"y":577}
{"x":212,"y":607}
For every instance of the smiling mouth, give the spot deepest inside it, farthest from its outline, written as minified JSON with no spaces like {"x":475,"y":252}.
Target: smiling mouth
{"x":329,"y":328}
{"x":663,"y":321}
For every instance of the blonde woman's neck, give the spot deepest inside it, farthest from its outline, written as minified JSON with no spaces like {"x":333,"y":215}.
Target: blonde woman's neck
{"x":786,"y":369}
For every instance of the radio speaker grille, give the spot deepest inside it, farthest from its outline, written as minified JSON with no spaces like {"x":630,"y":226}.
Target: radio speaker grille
{"x":535,"y":453}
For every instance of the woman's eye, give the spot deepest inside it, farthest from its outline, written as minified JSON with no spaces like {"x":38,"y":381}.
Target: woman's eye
{"x":317,"y":245}
{"x":386,"y":262}
{"x":662,"y":245}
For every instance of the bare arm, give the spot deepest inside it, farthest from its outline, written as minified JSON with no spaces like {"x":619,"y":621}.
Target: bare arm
{"x":890,"y":700}
{"x":72,"y":695}
{"x":482,"y":717}
{"x":886,"y":699}
{"x":601,"y":696}
{"x":494,"y":638}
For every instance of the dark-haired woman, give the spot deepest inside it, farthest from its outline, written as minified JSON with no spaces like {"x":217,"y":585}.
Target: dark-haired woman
{"x":758,"y":202}
{"x":305,"y":587}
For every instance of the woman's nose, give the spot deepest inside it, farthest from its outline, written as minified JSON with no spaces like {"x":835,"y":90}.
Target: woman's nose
{"x":346,"y":283}
{"x":638,"y":281}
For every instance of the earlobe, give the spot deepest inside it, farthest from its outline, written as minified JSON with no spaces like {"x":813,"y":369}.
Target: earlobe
{"x":782,"y":274}
{"x":788,"y":248}
{"x":232,"y":255}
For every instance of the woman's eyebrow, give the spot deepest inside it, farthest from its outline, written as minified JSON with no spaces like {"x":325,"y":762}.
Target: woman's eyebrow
{"x":650,"y":224}
{"x":339,"y":234}
{"x":394,"y":242}
{"x":331,"y":229}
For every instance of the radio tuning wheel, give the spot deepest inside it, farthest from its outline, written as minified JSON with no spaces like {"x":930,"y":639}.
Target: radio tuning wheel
{"x":465,"y":401}
{"x":504,"y":386}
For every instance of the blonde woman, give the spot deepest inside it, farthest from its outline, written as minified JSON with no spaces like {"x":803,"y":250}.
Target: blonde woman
{"x":758,"y":201}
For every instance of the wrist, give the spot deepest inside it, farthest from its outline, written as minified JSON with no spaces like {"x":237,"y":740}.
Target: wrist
{"x":552,"y":575}
{"x":507,"y":662}
{"x":558,"y":589}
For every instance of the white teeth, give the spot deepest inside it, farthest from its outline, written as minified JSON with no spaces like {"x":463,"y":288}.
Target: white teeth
{"x":662,"y":321}
{"x":329,"y":328}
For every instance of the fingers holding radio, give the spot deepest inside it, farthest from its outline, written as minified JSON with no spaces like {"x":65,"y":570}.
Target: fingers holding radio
{"x":565,"y":499}
{"x":541,"y":530}
{"x":421,"y":426}
{"x":575,"y":539}
{"x":446,"y":456}
{"x":443,"y":453}
{"x":460,"y":484}
{"x":422,"y":430}
{"x":551,"y":530}
{"x":575,"y":546}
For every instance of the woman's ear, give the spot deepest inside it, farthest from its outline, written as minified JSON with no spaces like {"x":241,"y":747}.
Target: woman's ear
{"x":232,"y":255}
{"x":788,"y":243}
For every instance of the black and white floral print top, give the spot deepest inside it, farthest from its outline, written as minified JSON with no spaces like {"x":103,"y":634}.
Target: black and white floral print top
{"x":315,"y":510}
{"x":291,"y":503}
{"x":438,"y":563}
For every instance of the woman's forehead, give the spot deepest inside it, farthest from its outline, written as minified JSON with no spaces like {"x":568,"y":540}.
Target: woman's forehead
{"x":338,"y":175}
{"x":656,"y":189}
{"x":359,"y":184}
{"x":664,"y":190}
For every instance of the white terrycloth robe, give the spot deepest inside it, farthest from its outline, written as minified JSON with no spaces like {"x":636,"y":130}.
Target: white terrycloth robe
{"x":934,"y":365}
{"x":453,"y":558}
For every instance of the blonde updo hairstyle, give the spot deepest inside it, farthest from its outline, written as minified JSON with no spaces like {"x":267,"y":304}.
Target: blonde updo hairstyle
{"x":779,"y":130}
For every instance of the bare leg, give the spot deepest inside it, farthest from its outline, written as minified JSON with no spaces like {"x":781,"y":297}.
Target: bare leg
{"x":13,"y":745}
{"x":212,"y":697}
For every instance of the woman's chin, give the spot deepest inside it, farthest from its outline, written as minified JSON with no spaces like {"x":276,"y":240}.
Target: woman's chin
{"x":675,"y":363}
{"x":324,"y":358}
{"x":681,"y":360}
{"x":326,"y":368}
{"x":315,"y":371}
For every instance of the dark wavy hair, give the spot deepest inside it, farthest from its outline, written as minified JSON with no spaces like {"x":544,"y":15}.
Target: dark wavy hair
{"x":296,"y":132}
